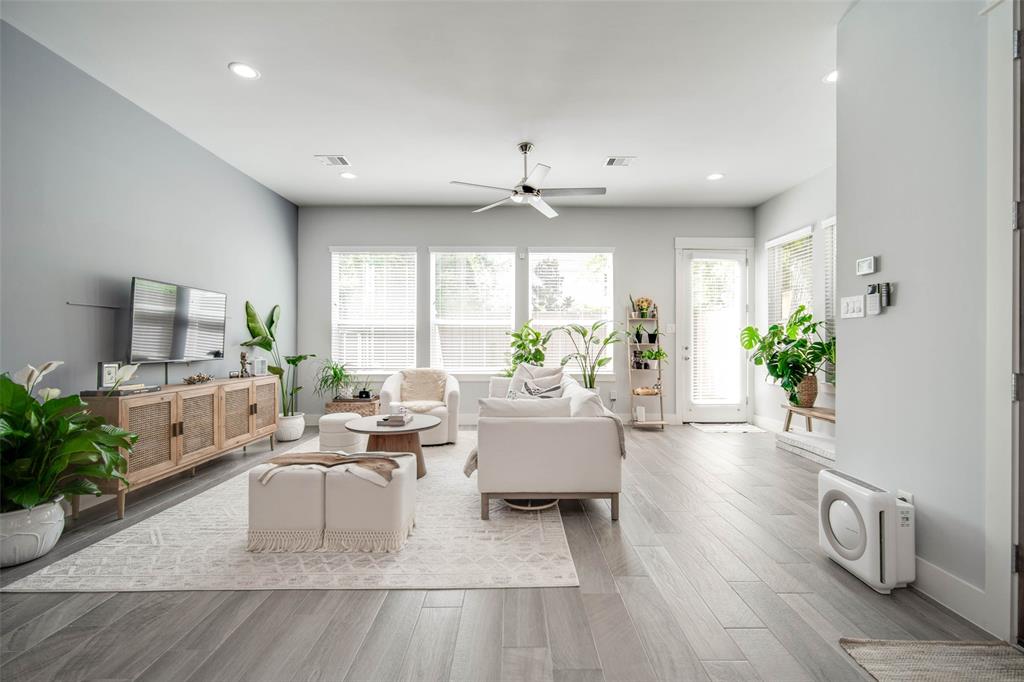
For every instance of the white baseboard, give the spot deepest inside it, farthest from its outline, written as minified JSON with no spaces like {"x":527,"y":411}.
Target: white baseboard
{"x":767,"y":423}
{"x":953,"y":592}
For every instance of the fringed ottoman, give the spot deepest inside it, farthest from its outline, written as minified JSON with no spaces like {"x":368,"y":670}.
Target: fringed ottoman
{"x":286,"y":508}
{"x":363,"y":516}
{"x":334,"y":436}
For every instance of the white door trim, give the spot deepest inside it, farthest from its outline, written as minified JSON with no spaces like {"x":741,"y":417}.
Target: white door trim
{"x":682,"y":244}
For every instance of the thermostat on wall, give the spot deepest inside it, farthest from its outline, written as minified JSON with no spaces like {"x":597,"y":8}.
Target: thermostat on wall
{"x":866,"y":266}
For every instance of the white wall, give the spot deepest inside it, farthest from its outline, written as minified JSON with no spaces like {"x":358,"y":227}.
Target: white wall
{"x":644,"y":262}
{"x":808,"y":203}
{"x":921,"y":386}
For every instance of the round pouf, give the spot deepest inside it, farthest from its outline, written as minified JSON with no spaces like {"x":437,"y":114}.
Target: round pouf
{"x":334,"y":435}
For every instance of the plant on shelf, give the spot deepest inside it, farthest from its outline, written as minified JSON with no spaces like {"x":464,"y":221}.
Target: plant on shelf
{"x":655,"y":354}
{"x":529,"y":346}
{"x":333,"y":379}
{"x":642,"y":306}
{"x":638,"y":332}
{"x":652,"y":336}
{"x":49,"y":447}
{"x":590,"y":345}
{"x":793,"y":353}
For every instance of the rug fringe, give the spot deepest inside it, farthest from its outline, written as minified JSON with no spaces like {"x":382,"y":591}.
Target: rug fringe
{"x":285,"y":540}
{"x":367,"y":540}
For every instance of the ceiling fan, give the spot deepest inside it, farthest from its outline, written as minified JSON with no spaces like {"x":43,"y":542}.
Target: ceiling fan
{"x":528,"y":190}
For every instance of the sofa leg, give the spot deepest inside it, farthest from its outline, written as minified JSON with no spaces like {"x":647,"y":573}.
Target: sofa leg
{"x":485,"y":506}
{"x":615,"y":506}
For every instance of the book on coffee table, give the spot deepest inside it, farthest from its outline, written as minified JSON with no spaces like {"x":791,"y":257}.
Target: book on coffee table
{"x":394,"y":420}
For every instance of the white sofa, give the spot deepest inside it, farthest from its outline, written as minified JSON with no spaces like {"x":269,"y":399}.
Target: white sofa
{"x":447,"y":410}
{"x":547,"y":457}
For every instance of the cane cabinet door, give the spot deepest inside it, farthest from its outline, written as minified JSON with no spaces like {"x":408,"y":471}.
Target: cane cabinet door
{"x":266,"y":405}
{"x":236,"y":414}
{"x":198,"y":435}
{"x":153,"y":418}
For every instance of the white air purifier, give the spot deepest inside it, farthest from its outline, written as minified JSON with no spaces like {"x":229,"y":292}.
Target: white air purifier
{"x":866,"y":530}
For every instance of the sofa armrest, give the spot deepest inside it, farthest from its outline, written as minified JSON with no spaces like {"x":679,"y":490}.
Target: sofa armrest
{"x":498,"y":387}
{"x":390,"y":392}
{"x":451,"y":401}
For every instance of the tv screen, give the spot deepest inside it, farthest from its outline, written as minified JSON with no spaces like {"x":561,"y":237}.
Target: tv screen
{"x":175,"y":323}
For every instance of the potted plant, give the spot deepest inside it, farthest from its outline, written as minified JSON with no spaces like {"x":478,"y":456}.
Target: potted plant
{"x":655,"y":355}
{"x":652,"y":336}
{"x":590,"y":345}
{"x":643,"y":306}
{"x":290,"y":423}
{"x":50,"y":447}
{"x":333,"y":379}
{"x":529,"y":346}
{"x":638,"y":332}
{"x":792,"y":352}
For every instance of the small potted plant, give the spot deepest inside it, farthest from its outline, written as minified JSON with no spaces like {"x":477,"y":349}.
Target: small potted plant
{"x":652,"y":336}
{"x":638,"y":332}
{"x":793,"y":353}
{"x":50,"y":447}
{"x":528,"y":345}
{"x":333,"y":379}
{"x":643,"y":306}
{"x":654,"y":355}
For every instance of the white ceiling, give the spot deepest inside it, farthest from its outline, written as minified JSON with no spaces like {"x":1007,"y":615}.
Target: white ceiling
{"x":420,"y":93}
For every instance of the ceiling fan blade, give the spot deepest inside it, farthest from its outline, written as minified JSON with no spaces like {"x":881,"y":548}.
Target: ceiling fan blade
{"x":543,"y":207}
{"x":473,"y":184}
{"x":490,"y":206}
{"x":537,"y":175}
{"x":572,"y":191}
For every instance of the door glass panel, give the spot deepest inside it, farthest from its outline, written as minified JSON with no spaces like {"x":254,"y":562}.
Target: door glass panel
{"x":716,"y":316}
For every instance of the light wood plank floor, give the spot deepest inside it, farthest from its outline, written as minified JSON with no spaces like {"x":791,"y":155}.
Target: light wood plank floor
{"x":713,"y":573}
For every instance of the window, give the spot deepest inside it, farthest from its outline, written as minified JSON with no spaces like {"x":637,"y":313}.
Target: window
{"x":829,"y":243}
{"x":790,"y":274}
{"x":472,"y":307}
{"x":574,"y":286}
{"x":373,"y":309}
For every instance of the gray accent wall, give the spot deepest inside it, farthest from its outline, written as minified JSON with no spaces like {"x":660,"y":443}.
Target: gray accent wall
{"x":96,"y":190}
{"x":644,"y":262}
{"x":912,"y":191}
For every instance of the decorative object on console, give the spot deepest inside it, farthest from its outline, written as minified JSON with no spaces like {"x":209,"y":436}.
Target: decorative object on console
{"x":123,"y":374}
{"x":50,"y":447}
{"x":244,"y":360}
{"x":793,"y":353}
{"x":106,"y":374}
{"x":198,"y":378}
{"x":529,"y":346}
{"x":260,"y":367}
{"x":590,"y":345}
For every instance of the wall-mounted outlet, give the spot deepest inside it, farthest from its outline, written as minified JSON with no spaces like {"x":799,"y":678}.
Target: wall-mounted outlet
{"x":612,"y":396}
{"x":905,"y":496}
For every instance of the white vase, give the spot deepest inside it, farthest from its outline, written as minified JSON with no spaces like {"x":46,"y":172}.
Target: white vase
{"x":28,"y":534}
{"x":290,"y":428}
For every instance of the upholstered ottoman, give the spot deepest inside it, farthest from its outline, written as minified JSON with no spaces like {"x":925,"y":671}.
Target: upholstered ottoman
{"x":286,"y":509}
{"x":360,"y":516}
{"x":334,"y":436}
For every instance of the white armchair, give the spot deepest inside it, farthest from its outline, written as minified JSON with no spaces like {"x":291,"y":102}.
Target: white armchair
{"x":446,"y":409}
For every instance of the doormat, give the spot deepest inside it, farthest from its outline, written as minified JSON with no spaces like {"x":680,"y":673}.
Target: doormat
{"x":727,"y":428}
{"x":912,"y":661}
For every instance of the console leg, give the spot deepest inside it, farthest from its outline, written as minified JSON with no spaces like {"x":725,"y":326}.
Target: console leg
{"x":192,"y":473}
{"x":75,"y":505}
{"x":271,"y":437}
{"x":121,"y":495}
{"x":485,"y":506}
{"x":615,"y":506}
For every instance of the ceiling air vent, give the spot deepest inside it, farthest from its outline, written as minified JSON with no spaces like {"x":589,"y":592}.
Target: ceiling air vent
{"x":332,"y":160}
{"x":619,"y":160}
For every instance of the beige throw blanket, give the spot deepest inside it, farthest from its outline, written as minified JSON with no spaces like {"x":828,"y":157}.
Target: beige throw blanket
{"x":376,"y":468}
{"x":471,"y":461}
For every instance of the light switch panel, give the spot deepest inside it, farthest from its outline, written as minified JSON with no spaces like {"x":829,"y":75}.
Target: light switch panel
{"x":851,"y":306}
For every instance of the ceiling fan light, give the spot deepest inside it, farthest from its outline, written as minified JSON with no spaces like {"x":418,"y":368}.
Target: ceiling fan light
{"x":518,"y":198}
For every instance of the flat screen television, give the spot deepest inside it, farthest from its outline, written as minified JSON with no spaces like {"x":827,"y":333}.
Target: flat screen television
{"x":175,"y":323}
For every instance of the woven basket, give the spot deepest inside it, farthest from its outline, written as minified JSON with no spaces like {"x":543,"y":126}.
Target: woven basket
{"x":807,"y":391}
{"x":364,"y":408}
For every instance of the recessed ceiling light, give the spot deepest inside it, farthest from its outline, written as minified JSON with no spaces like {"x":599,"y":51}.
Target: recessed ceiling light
{"x":348,"y":175}
{"x":830,"y":77}
{"x":716,"y":176}
{"x":244,"y":71}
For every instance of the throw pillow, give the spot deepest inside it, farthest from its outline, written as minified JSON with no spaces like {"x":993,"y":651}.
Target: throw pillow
{"x":526,"y":373}
{"x":582,"y":403}
{"x":500,"y":407}
{"x":423,"y":384}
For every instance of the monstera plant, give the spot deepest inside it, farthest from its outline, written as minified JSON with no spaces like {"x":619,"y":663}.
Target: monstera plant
{"x":792,"y":352}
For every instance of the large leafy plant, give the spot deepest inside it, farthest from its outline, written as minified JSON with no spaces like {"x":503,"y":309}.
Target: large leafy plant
{"x":790,"y":351}
{"x":529,"y":346}
{"x":263,"y":332}
{"x":53,"y":446}
{"x":590,"y":345}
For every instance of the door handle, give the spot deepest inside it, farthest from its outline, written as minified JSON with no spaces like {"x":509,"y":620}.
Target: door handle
{"x":174,"y":429}
{"x":181,"y":428}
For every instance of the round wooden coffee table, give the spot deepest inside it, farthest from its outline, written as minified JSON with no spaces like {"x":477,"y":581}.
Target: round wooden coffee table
{"x":396,"y":438}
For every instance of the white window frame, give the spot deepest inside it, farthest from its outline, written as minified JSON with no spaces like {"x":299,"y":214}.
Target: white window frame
{"x":807,"y":230}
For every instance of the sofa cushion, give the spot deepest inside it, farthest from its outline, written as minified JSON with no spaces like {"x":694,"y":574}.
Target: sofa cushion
{"x":532,"y":373}
{"x":423,"y":384}
{"x":421,"y":406}
{"x":582,"y":402}
{"x":501,"y":407}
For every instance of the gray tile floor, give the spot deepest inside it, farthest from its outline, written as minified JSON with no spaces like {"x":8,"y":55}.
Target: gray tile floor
{"x":713,"y":572}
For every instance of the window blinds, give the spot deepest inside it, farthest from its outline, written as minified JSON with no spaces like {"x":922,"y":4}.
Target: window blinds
{"x":790,"y":274}
{"x":472,"y":307}
{"x":829,"y":234}
{"x":570,"y":287}
{"x":373,"y":309}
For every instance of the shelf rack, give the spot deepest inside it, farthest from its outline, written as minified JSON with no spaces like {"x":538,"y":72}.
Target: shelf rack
{"x":641,"y":377}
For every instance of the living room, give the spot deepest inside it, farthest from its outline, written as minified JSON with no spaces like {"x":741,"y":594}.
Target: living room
{"x":548,"y":242}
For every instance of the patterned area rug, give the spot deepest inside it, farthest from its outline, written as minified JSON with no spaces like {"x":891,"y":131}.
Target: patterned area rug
{"x":912,"y":661}
{"x":200,"y":545}
{"x":727,"y":428}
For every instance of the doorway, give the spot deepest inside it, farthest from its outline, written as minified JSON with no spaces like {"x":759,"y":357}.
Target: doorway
{"x":713,"y":305}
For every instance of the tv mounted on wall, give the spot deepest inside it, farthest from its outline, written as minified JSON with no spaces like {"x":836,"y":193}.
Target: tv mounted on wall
{"x":175,"y":323}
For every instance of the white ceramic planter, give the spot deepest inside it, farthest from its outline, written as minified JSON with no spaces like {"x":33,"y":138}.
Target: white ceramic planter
{"x":28,"y":534}
{"x":290,"y":428}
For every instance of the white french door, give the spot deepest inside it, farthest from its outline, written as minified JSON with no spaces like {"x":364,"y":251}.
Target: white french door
{"x":713,"y":366}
